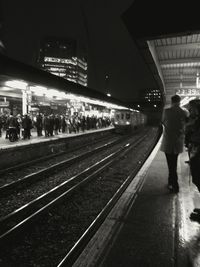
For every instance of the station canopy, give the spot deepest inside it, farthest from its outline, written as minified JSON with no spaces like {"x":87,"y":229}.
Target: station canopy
{"x":169,"y":42}
{"x":17,"y":78}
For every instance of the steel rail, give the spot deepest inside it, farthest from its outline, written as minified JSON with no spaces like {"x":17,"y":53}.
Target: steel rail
{"x":95,"y":169}
{"x":81,"y":243}
{"x":30,"y":178}
{"x":34,"y":161}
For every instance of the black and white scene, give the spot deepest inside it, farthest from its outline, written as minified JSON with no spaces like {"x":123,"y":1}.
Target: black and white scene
{"x":99,"y":133}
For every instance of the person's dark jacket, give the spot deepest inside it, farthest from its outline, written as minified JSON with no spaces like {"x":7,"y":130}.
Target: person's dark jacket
{"x":26,"y":123}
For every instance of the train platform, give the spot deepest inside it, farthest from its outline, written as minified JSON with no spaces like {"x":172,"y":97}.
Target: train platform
{"x":149,"y":226}
{"x":28,"y":151}
{"x":34,"y":139}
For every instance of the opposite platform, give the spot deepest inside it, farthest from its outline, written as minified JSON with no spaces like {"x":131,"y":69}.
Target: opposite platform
{"x":34,"y":139}
{"x":18,"y":154}
{"x":149,"y":226}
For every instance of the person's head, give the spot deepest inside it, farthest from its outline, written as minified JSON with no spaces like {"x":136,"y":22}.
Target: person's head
{"x":175,"y":100}
{"x":194,"y":107}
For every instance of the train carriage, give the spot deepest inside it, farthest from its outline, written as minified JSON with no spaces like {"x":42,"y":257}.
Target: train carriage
{"x":126,"y":120}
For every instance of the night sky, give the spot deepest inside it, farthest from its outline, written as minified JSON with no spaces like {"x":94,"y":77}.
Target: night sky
{"x":96,"y":23}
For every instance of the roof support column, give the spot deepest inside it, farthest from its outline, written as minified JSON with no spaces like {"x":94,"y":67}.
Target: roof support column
{"x":24,"y":102}
{"x":26,"y":99}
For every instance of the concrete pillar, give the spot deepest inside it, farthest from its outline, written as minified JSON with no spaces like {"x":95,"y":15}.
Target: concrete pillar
{"x":24,"y":102}
{"x":197,"y":80}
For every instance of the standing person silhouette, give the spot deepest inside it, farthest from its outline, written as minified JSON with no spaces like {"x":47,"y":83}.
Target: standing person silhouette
{"x":174,"y":120}
{"x":193,"y":144}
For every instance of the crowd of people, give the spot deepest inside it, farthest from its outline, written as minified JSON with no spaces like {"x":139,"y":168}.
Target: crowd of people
{"x":182,"y":128}
{"x":50,"y":125}
{"x":192,"y":142}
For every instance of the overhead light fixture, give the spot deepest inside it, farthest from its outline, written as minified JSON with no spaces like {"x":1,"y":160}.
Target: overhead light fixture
{"x":52,"y":93}
{"x":197,"y":80}
{"x":38,"y":90}
{"x":5,"y":88}
{"x":16,"y":84}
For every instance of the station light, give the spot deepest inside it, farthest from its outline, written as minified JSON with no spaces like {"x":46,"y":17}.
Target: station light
{"x":94,"y":101}
{"x":52,"y":93}
{"x":71,"y":96}
{"x":38,"y":90}
{"x":44,"y":91}
{"x":61,"y":95}
{"x":41,"y":91}
{"x":16,"y":84}
{"x":186,"y":100}
{"x":5,"y":88}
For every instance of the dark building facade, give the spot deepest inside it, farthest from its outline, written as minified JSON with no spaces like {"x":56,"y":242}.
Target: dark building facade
{"x":64,"y":58}
{"x":2,"y":47}
{"x":150,"y":97}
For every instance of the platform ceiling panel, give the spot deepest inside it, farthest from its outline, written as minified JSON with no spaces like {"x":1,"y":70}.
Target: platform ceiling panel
{"x":179,"y":61}
{"x":173,"y":42}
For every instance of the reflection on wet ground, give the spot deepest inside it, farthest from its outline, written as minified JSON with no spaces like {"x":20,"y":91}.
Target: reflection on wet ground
{"x":188,"y":199}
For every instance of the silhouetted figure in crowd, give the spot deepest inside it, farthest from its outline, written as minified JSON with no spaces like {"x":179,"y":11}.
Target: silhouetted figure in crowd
{"x":27,"y":126}
{"x":1,"y":125}
{"x":88,"y":122}
{"x":83,"y":123}
{"x":19,"y":124}
{"x":51,"y":124}
{"x":174,"y":120}
{"x":12,"y":124}
{"x":68,"y":124}
{"x":63,"y":124}
{"x":39,"y":124}
{"x":46,"y":123}
{"x":192,"y":142}
{"x":56,"y":124}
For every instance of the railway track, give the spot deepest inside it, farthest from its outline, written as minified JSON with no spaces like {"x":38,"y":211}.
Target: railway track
{"x":28,"y":212}
{"x":82,"y":242}
{"x":15,"y":222}
{"x":41,"y":171}
{"x":34,"y":162}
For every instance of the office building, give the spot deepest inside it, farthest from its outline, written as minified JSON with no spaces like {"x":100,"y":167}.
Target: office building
{"x":64,"y":58}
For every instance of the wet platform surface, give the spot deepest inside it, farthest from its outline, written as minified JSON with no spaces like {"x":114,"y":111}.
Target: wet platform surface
{"x":149,"y":226}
